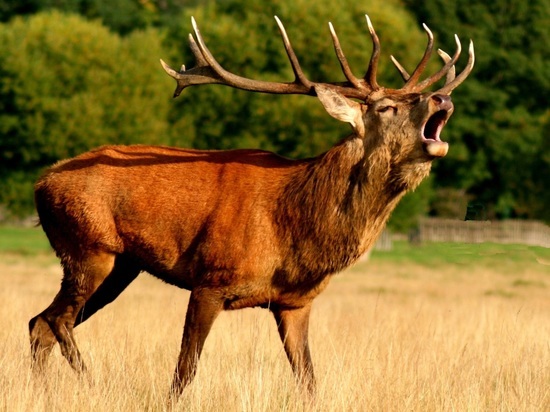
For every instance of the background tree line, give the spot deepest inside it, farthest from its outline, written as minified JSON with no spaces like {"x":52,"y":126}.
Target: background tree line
{"x":75,"y":74}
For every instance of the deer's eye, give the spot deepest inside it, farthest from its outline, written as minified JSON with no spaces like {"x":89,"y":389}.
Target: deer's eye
{"x":387,"y":109}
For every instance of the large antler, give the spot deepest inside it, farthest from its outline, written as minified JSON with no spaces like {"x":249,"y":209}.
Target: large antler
{"x":208,"y":71}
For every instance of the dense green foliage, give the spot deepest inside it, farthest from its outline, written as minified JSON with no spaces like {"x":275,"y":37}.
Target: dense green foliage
{"x":121,"y":16}
{"x":500,"y":140}
{"x":78,"y":74}
{"x":68,"y":85}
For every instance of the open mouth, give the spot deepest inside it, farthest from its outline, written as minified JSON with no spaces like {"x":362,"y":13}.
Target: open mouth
{"x":434,"y":125}
{"x":431,"y":134}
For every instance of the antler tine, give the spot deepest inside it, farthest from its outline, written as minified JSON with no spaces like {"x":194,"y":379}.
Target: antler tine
{"x":176,"y":75}
{"x":342,"y":59}
{"x":300,"y":77}
{"x":451,"y":74}
{"x":184,"y":78}
{"x":413,"y":80}
{"x":443,"y":71}
{"x":449,"y":87}
{"x":404,"y":74}
{"x":207,"y":55}
{"x":200,"y":60}
{"x":370,"y":76}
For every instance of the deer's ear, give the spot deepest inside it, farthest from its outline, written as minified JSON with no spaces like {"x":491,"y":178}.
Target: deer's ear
{"x":341,"y":108}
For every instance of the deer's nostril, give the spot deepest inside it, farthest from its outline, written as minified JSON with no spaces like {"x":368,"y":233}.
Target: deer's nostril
{"x":441,"y":98}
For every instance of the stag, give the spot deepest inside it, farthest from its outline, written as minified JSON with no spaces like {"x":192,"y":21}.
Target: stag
{"x":240,"y":228}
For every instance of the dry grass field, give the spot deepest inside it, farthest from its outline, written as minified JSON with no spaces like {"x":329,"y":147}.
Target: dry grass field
{"x":438,"y":328}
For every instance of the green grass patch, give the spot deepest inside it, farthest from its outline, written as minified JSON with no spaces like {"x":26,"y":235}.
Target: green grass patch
{"x":23,"y":241}
{"x":464,"y":254}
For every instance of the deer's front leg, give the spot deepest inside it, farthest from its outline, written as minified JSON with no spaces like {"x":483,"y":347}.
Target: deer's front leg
{"x":204,"y":306}
{"x":293,"y":328}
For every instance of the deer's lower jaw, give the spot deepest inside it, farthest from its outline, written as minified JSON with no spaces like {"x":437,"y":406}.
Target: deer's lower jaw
{"x":436,"y":148}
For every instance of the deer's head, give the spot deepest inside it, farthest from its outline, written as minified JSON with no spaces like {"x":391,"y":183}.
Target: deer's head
{"x":407,"y":120}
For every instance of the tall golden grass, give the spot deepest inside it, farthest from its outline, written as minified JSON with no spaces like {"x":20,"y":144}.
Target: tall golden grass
{"x":384,"y":337}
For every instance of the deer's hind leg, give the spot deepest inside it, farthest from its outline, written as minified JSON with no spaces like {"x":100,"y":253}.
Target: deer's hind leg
{"x":123,"y":273}
{"x":81,"y":279}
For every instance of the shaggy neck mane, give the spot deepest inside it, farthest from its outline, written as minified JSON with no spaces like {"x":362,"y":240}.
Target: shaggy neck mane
{"x":335,"y":207}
